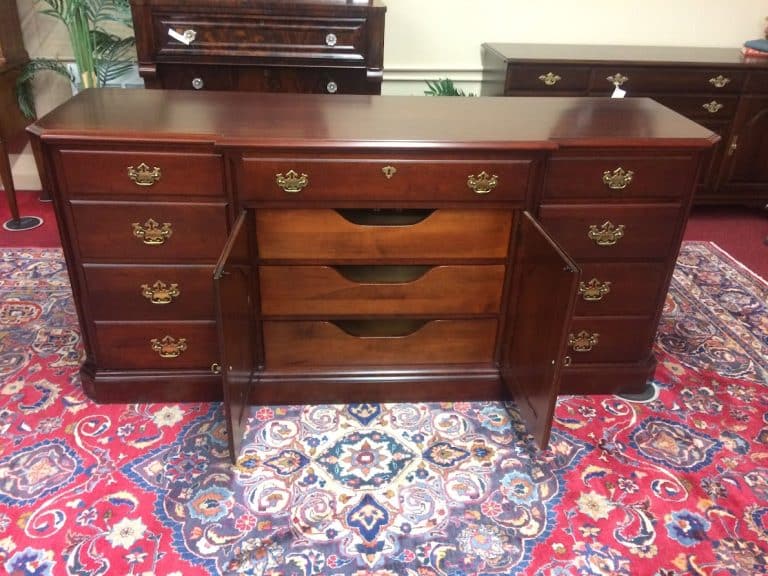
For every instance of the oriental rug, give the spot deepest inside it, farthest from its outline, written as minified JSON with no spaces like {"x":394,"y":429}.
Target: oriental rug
{"x":676,"y":485}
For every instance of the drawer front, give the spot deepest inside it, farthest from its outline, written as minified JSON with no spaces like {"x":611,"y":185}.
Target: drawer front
{"x":757,"y":82}
{"x":604,"y":232}
{"x":150,"y":345}
{"x":619,"y":177}
{"x":149,"y":232}
{"x":380,"y":290}
{"x":709,"y":107}
{"x":195,"y":77}
{"x":548,"y":78}
{"x":666,"y":79}
{"x":389,"y":235}
{"x":610,"y":340}
{"x":142,"y":173}
{"x":401,"y":180}
{"x":245,"y":35}
{"x":619,"y":289}
{"x":298,"y":344}
{"x":314,"y":80}
{"x":149,"y":292}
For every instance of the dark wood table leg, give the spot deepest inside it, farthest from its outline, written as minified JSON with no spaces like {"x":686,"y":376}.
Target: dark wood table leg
{"x":16,"y":223}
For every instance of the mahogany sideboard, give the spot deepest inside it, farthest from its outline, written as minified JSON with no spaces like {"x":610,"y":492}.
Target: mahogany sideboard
{"x":715,"y":87}
{"x":333,"y":46}
{"x":318,"y":248}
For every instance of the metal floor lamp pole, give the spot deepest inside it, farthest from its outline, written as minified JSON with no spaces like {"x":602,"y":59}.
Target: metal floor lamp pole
{"x":16,"y":223}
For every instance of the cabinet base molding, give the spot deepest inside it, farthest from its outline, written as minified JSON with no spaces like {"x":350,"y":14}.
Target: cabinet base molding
{"x":115,"y":387}
{"x":607,"y":378}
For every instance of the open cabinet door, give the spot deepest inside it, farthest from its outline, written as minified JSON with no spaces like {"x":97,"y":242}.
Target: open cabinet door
{"x":537,"y":326}
{"x":233,"y":283}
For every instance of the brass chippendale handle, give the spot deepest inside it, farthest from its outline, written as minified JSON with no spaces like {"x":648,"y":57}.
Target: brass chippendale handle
{"x":483,"y":183}
{"x":594,"y":290}
{"x":618,"y":179}
{"x":143,"y":175}
{"x":169,"y":347}
{"x":712,"y":107}
{"x":152,"y":232}
{"x":292,"y":182}
{"x":617,"y":79}
{"x":550,"y":79}
{"x":719,"y":81}
{"x":607,"y":234}
{"x":160,"y":292}
{"x":583,"y":341}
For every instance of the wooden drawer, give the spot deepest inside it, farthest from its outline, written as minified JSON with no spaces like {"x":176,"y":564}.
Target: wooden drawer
{"x":297,"y":344}
{"x":243,"y":35}
{"x":105,"y":231}
{"x":552,"y":78}
{"x":380,"y":290}
{"x":595,"y":339}
{"x":130,"y":345}
{"x":375,"y":235}
{"x":317,"y":80}
{"x":619,"y":289}
{"x":135,"y":173}
{"x":195,"y":77}
{"x":402,"y":180}
{"x":709,"y":107}
{"x":149,"y":292}
{"x":757,"y":82}
{"x":649,"y":231}
{"x":603,"y":177}
{"x":641,"y":80}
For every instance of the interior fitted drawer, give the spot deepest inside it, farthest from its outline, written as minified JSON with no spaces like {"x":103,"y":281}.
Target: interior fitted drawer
{"x":401,"y":180}
{"x":297,"y":344}
{"x":709,"y":106}
{"x":373,"y":235}
{"x":666,"y":79}
{"x":141,"y":173}
{"x":255,"y":35}
{"x":546,"y":78}
{"x":619,"y":177}
{"x":619,"y":289}
{"x":156,"y":345}
{"x":595,"y":339}
{"x":608,"y":232}
{"x":149,"y":232}
{"x":149,"y":292}
{"x":379,"y":290}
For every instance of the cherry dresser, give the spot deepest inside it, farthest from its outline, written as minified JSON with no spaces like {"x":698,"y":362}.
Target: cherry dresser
{"x":316,"y":248}
{"x":715,"y":87}
{"x":333,"y":46}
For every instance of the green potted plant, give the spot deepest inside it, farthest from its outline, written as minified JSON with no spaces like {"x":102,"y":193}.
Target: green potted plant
{"x":101,"y":36}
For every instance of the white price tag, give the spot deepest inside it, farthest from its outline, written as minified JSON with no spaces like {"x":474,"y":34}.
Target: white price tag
{"x":183,"y":38}
{"x":618,"y":92}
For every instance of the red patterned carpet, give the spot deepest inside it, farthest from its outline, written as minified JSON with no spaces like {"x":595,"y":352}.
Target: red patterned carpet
{"x":678,"y":485}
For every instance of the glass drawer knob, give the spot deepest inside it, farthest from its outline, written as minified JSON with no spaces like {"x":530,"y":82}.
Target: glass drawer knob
{"x":332,"y":87}
{"x":197,"y":83}
{"x":330,"y":39}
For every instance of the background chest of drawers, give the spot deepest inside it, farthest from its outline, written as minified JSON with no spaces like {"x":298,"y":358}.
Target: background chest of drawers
{"x":340,"y":256}
{"x":315,"y":46}
{"x":715,"y":87}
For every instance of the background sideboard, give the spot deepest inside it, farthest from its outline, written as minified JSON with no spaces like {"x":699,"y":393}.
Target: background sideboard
{"x":714,"y":87}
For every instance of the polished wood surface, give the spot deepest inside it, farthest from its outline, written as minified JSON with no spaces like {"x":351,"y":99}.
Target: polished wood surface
{"x":716,"y":87}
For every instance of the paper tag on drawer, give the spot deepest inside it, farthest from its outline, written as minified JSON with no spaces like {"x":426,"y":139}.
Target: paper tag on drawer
{"x":618,"y":92}
{"x":183,"y":38}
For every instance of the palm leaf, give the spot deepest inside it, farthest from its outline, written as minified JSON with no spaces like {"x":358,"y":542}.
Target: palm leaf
{"x":443,"y":87}
{"x":24,"y":82}
{"x":112,"y":56}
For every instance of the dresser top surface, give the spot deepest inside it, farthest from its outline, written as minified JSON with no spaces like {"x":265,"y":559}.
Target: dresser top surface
{"x":600,"y":54}
{"x":267,"y":4}
{"x":325,"y":121}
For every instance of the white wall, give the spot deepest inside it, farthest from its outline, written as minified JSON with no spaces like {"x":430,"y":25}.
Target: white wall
{"x":442,"y":38}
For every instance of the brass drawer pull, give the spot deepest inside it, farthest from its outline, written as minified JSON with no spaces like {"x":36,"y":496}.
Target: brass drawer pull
{"x":712,"y":107}
{"x":160,"y":292}
{"x":483,"y":183}
{"x":719,"y":81}
{"x":607,"y":234}
{"x":151,"y":232}
{"x":550,"y":79}
{"x":292,"y":182}
{"x":583,"y":341}
{"x":594,"y":290}
{"x":617,"y":79}
{"x":169,"y":347}
{"x":389,"y":171}
{"x":143,"y":175}
{"x":618,"y":179}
